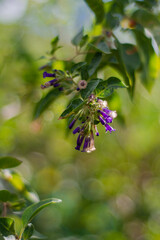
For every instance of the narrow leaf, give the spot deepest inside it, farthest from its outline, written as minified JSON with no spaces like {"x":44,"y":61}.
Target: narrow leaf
{"x":77,"y":39}
{"x":34,"y":209}
{"x":94,"y":63}
{"x":77,"y":66}
{"x":45,"y":102}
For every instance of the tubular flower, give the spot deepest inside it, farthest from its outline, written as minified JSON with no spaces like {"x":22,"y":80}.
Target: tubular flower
{"x":95,"y":111}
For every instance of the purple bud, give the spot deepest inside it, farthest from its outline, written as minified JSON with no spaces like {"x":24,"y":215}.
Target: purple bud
{"x":78,"y":89}
{"x":106,"y":110}
{"x":97,"y":133}
{"x":108,"y":119}
{"x":86,"y":143}
{"x":102,"y":120}
{"x":76,"y":130}
{"x":109,"y":128}
{"x":61,"y":89}
{"x":56,"y":84}
{"x":43,"y":86}
{"x":45,"y":74}
{"x":72,"y":123}
{"x":50,"y":83}
{"x":79,"y":141}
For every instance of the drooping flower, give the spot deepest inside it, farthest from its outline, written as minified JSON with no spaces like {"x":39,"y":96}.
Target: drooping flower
{"x":45,"y":74}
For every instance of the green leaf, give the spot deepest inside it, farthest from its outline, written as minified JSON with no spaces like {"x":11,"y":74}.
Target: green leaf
{"x":97,"y":7}
{"x":73,"y":107}
{"x":45,"y":102}
{"x":77,"y":39}
{"x":94,"y":63}
{"x":35,"y":208}
{"x":106,"y":88}
{"x":28,"y":231}
{"x":91,"y":86}
{"x":83,"y":40}
{"x":77,"y":66}
{"x":36,"y":235}
{"x":146,"y":18}
{"x":6,"y":196}
{"x":54,"y":44}
{"x":7,"y":226}
{"x":101,"y":46}
{"x":9,"y":162}
{"x":84,"y":73}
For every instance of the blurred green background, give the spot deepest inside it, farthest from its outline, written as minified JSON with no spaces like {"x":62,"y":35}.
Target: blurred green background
{"x":112,"y":193}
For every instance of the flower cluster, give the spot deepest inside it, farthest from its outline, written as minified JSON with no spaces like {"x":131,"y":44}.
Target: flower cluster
{"x":54,"y":82}
{"x":95,"y":111}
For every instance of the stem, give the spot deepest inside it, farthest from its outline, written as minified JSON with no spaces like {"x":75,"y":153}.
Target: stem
{"x":4,"y":212}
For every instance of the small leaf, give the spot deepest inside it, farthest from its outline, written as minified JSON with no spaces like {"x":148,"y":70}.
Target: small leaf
{"x":91,"y":86}
{"x":73,"y":107}
{"x":102,"y":46}
{"x":6,"y":196}
{"x":94,"y":63}
{"x":34,"y":209}
{"x":28,"y":231}
{"x":54,"y":44}
{"x":9,"y":162}
{"x":45,"y":102}
{"x":77,"y":66}
{"x":77,"y":39}
{"x":7,"y":226}
{"x":83,"y":40}
{"x":97,"y":7}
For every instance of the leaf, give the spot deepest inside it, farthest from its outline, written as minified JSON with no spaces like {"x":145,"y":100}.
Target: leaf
{"x":84,"y":73}
{"x":28,"y":231}
{"x":45,"y":102}
{"x":97,"y":7}
{"x":6,"y":196}
{"x":90,"y":88}
{"x":77,"y":66}
{"x":35,"y":208}
{"x":83,"y":40}
{"x":146,"y":18}
{"x":9,"y":162}
{"x":73,"y":107}
{"x":7,"y":226}
{"x":102,"y":46}
{"x":106,"y":88}
{"x":77,"y":39}
{"x":54,"y":44}
{"x":94,"y":63}
{"x":37,"y":235}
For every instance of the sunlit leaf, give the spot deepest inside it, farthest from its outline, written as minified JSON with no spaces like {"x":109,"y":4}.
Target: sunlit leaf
{"x":7,"y":226}
{"x":6,"y":196}
{"x":28,"y":231}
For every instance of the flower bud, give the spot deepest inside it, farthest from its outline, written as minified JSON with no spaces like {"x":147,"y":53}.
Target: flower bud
{"x":82,"y":84}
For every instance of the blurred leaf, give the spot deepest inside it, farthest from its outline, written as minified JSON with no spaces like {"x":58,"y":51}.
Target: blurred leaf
{"x":45,"y":102}
{"x":77,"y":39}
{"x":28,"y":231}
{"x":97,"y":7}
{"x":111,"y":21}
{"x":17,"y":205}
{"x":94,"y":63}
{"x":91,"y":86}
{"x":83,"y":40}
{"x":9,"y":162}
{"x":102,"y":46}
{"x":7,"y":226}
{"x":73,"y":107}
{"x":6,"y":196}
{"x":84,"y":73}
{"x":146,"y":18}
{"x":34,"y":209}
{"x":37,"y":235}
{"x":54,"y":44}
{"x":77,"y":66}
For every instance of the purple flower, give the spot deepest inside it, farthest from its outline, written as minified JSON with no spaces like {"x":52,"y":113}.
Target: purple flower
{"x":109,"y":128}
{"x":86,"y":143}
{"x":50,"y":83}
{"x":106,"y":110}
{"x":61,"y":89}
{"x":72,"y":123}
{"x":76,"y":130}
{"x":102,"y":120}
{"x":79,"y":141}
{"x":56,"y":84}
{"x":97,"y":133}
{"x":45,"y":74}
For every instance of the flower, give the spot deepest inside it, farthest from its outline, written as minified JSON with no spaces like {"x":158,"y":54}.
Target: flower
{"x":82,"y":84}
{"x":45,"y":74}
